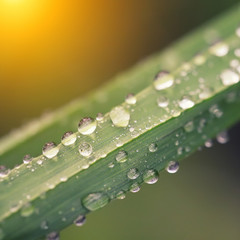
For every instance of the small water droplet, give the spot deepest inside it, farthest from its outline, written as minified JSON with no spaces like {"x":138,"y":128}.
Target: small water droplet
{"x":99,"y":117}
{"x":163,"y":80}
{"x":162,"y":101}
{"x":199,"y":59}
{"x":87,"y":126}
{"x":122,"y":156}
{"x":50,"y":150}
{"x":150,"y":176}
{"x":186,"y":102}
{"x":208,"y":143}
{"x":80,"y":220}
{"x":111,"y":165}
{"x":172,"y":167}
{"x":85,"y":149}
{"x":223,"y":137}
{"x":121,"y":195}
{"x":237,"y":52}
{"x":219,"y":49}
{"x":27,"y":159}
{"x":53,"y":236}
{"x":69,"y":138}
{"x":133,"y":173}
{"x":94,"y":201}
{"x":238,"y":31}
{"x":229,"y":77}
{"x":189,"y":127}
{"x":44,"y":225}
{"x":27,"y":210}
{"x":205,"y":93}
{"x":216,"y":111}
{"x":152,"y":147}
{"x":134,"y":188}
{"x":130,"y":99}
{"x":119,"y":116}
{"x":3,"y":171}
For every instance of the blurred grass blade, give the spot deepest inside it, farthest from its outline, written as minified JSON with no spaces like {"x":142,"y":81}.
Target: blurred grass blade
{"x":50,"y":127}
{"x":165,"y":121}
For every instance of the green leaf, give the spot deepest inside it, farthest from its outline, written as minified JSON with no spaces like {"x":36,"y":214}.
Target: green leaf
{"x":171,"y":118}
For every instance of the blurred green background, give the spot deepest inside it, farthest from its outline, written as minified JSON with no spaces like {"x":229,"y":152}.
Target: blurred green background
{"x":53,"y":51}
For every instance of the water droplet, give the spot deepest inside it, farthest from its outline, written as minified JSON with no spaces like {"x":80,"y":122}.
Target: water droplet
{"x":186,"y":102}
{"x":44,"y":225}
{"x":69,"y":138}
{"x":205,"y":93}
{"x":99,"y":117}
{"x":94,"y":201}
{"x":122,"y":156}
{"x":150,"y":176}
{"x":199,"y":59}
{"x":229,"y":77}
{"x":163,"y":80}
{"x":130,"y":99}
{"x":87,"y":126}
{"x":121,"y":195}
{"x":50,"y":150}
{"x":80,"y":220}
{"x":219,"y":49}
{"x":216,"y":111}
{"x":189,"y":127}
{"x":162,"y":101}
{"x":27,"y":210}
{"x":134,"y":188}
{"x":53,"y":236}
{"x":27,"y":159}
{"x":3,"y":171}
{"x":172,"y":167}
{"x":119,"y":116}
{"x":237,"y":52}
{"x":85,"y":149}
{"x":111,"y":165}
{"x":238,"y":31}
{"x":153,"y":147}
{"x":208,"y":143}
{"x":133,"y":173}
{"x":223,"y":137}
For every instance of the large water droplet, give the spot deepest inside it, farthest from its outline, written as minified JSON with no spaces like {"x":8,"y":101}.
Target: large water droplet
{"x":162,"y":101}
{"x":152,"y":147}
{"x":87,"y":126}
{"x":150,"y":176}
{"x":27,"y":210}
{"x":186,"y":102}
{"x":223,"y":137}
{"x":122,"y":156}
{"x":134,"y":188}
{"x":85,"y":149}
{"x":119,"y":116}
{"x":219,"y":49}
{"x":163,"y":80}
{"x":69,"y":138}
{"x":172,"y":167}
{"x":130,"y":99}
{"x":94,"y":201}
{"x":27,"y":159}
{"x":133,"y":173}
{"x":80,"y":220}
{"x":53,"y":236}
{"x":229,"y":77}
{"x":50,"y":150}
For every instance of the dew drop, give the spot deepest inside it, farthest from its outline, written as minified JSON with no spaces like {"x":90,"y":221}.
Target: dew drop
{"x":44,"y":225}
{"x":53,"y":236}
{"x":186,"y":103}
{"x":172,"y":167}
{"x":69,"y":138}
{"x":150,"y":176}
{"x":94,"y":201}
{"x":237,"y":52}
{"x":219,"y":49}
{"x":80,"y":220}
{"x":162,"y":101}
{"x":121,"y":195}
{"x":99,"y":117}
{"x":111,"y":165}
{"x":223,"y":137}
{"x":133,"y":173}
{"x":119,"y":116}
{"x":163,"y":80}
{"x":229,"y":77}
{"x":27,"y":210}
{"x":152,"y":147}
{"x":189,"y":127}
{"x":3,"y":171}
{"x":238,"y":31}
{"x":27,"y":159}
{"x":122,"y":156}
{"x":205,"y":93}
{"x":50,"y":150}
{"x":85,"y":149}
{"x":208,"y":143}
{"x":130,"y":99}
{"x":134,"y":188}
{"x":199,"y":60}
{"x":87,"y":126}
{"x":216,"y":111}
